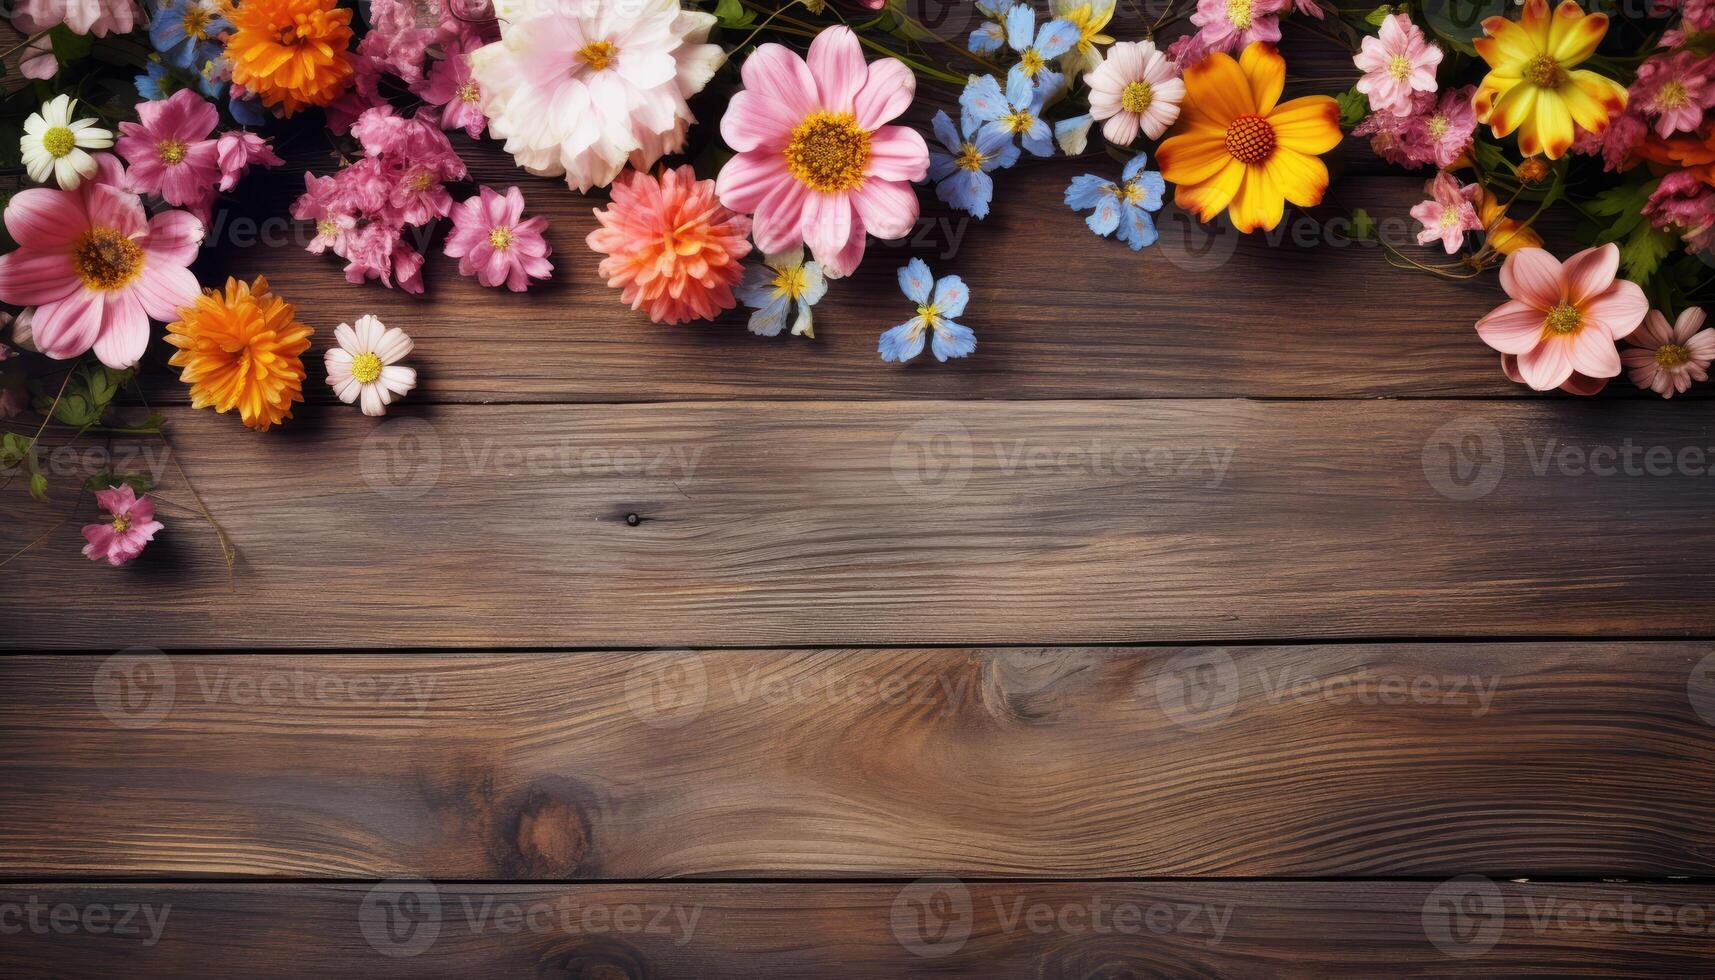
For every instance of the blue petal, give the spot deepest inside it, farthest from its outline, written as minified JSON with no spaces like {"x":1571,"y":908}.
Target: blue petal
{"x":1049,"y":83}
{"x":1039,"y":140}
{"x":915,"y":281}
{"x":988,"y":38}
{"x":248,"y":112}
{"x":968,"y":126}
{"x":1020,"y":90}
{"x":1138,"y":229}
{"x":1020,"y":25}
{"x":968,"y":191}
{"x":1085,"y":192}
{"x":1106,"y":217}
{"x":1134,"y":167}
{"x":903,"y":342}
{"x":951,"y":295}
{"x":1154,"y":190}
{"x":941,"y":166}
{"x":945,"y":132}
{"x":1005,"y":157}
{"x":983,"y":99}
{"x":953,"y":339}
{"x":771,"y":319}
{"x":1056,"y":38}
{"x":995,"y":9}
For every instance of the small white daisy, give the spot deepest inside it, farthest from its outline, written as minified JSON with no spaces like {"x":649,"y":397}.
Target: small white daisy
{"x":54,"y":144}
{"x":366,"y":363}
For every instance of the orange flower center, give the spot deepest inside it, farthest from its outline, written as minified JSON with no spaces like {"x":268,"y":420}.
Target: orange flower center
{"x":1544,"y":72}
{"x":172,"y":151}
{"x":106,"y":259}
{"x":1563,"y":319}
{"x":828,"y":152}
{"x":971,"y":158}
{"x":1137,"y":97}
{"x":1672,"y":355}
{"x":598,"y":54}
{"x":121,"y":523}
{"x":1251,"y":140}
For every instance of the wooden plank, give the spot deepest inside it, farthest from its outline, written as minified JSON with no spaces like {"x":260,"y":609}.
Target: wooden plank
{"x":806,"y":524}
{"x":1351,"y":760}
{"x":926,"y":929}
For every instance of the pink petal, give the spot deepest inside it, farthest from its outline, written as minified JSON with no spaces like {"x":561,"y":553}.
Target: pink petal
{"x":174,"y":238}
{"x":1689,"y":322}
{"x":826,"y":224}
{"x":1619,"y":310}
{"x":885,"y":94}
{"x":778,"y":217}
{"x":888,"y":208}
{"x":1533,"y":276}
{"x":1546,"y":366}
{"x":750,"y":177}
{"x":163,"y":290}
{"x":898,"y":153}
{"x":1591,"y":272}
{"x":69,"y":327}
{"x":1654,"y":332}
{"x":30,"y":278}
{"x":836,"y":59}
{"x":45,"y":219}
{"x":776,"y":73}
{"x":124,"y":331}
{"x":110,"y":207}
{"x":1593,"y":354}
{"x":1511,"y":328}
{"x":756,"y":121}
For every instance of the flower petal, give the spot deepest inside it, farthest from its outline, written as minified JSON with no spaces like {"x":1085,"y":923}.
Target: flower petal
{"x":1511,"y":328}
{"x":1589,"y":273}
{"x":1309,"y":125}
{"x":1533,"y":276}
{"x":885,"y":94}
{"x":1266,"y":71}
{"x":836,"y":60}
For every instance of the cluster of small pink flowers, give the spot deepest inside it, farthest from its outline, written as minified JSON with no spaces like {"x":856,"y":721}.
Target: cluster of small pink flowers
{"x":173,"y":152}
{"x":1674,"y":90}
{"x":1398,"y":66}
{"x":1436,"y":130}
{"x":1687,"y":205}
{"x":362,"y":212}
{"x":1449,"y":213}
{"x":1229,"y":25}
{"x":423,"y":44}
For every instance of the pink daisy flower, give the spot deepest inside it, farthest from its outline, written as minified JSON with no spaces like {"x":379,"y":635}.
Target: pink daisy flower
{"x":1449,"y":213}
{"x":1135,"y":89}
{"x":459,"y":97}
{"x":1398,"y":63}
{"x":1676,"y":90}
{"x":493,"y":243}
{"x":238,"y":151}
{"x":169,"y":151}
{"x":1564,"y":318}
{"x":132,"y":526}
{"x":96,"y":267}
{"x":1667,"y":359}
{"x":817,"y":162}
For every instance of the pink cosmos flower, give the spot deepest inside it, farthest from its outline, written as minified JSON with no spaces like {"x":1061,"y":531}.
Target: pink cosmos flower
{"x":1229,"y":25}
{"x":132,"y":526}
{"x":1135,"y":88}
{"x":817,"y":161}
{"x":1396,"y":64}
{"x":96,"y":267}
{"x":1443,"y":133}
{"x":1450,"y":212}
{"x":1676,"y":90}
{"x":1667,"y":359}
{"x":493,"y":243}
{"x":97,"y":17}
{"x":169,"y":151}
{"x":237,"y":151}
{"x":1563,"y":318}
{"x":459,"y":97}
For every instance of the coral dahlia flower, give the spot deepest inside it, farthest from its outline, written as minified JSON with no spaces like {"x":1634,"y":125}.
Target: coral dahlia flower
{"x":1532,"y":86}
{"x":1566,"y":318}
{"x":291,"y":53}
{"x":242,"y":349}
{"x":1235,"y":148}
{"x":672,"y":248}
{"x":96,"y":266}
{"x":817,"y":161}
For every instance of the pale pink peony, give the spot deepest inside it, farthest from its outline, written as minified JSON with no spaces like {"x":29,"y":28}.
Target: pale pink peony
{"x":132,"y":526}
{"x":1397,"y":64}
{"x":1564,"y":318}
{"x":169,"y":151}
{"x":817,"y":162}
{"x":1667,"y":359}
{"x":97,"y":267}
{"x":494,"y":243}
{"x":1136,"y":88}
{"x":1450,"y":212}
{"x":97,"y":17}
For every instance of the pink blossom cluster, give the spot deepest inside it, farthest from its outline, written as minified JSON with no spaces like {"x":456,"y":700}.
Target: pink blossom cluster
{"x":362,"y":212}
{"x":1673,"y":94}
{"x":1229,"y":25}
{"x":422,"y":44}
{"x":1684,"y":203}
{"x":174,"y":154}
{"x":1436,"y":130}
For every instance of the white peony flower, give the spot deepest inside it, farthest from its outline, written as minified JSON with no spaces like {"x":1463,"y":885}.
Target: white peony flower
{"x":54,"y":144}
{"x":582,"y":87}
{"x":366,"y":364}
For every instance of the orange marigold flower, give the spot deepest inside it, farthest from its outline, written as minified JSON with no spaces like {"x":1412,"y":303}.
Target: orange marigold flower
{"x":291,"y":53}
{"x":242,"y":349}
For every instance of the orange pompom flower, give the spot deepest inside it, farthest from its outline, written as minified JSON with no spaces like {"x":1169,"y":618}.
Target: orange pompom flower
{"x":291,"y":53}
{"x":671,"y":246}
{"x":242,"y":349}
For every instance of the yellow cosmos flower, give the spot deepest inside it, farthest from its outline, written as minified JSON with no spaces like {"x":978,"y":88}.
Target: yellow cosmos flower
{"x":1532,"y":87}
{"x":1235,"y":148}
{"x":1091,"y":16}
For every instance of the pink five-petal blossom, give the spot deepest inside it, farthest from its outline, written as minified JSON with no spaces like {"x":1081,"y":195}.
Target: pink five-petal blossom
{"x":853,"y":171}
{"x":1450,"y":212}
{"x":131,"y":525}
{"x":169,"y":151}
{"x":1396,"y":65}
{"x":1566,"y":318}
{"x":494,"y":243}
{"x":237,"y":151}
{"x":96,"y":267}
{"x":1667,"y":359}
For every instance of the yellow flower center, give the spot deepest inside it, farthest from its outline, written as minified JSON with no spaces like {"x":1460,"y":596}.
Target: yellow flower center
{"x":598,"y":54}
{"x":468,"y":92}
{"x":196,"y":22}
{"x":172,"y":151}
{"x":366,"y":367}
{"x":421,"y":181}
{"x":1239,"y":13}
{"x":971,"y":159}
{"x":1563,"y":319}
{"x":1671,"y":355}
{"x":1251,"y":140}
{"x":121,"y":523}
{"x":1544,"y":72}
{"x":828,"y":152}
{"x":929,"y":312}
{"x":1438,"y":125}
{"x":106,"y":259}
{"x":790,"y":282}
{"x":1399,"y":67}
{"x":1673,"y":96}
{"x":1019,"y":122}
{"x":1449,"y":217}
{"x":1137,"y":97}
{"x":327,"y":228}
{"x":1032,"y":63}
{"x":59,"y":141}
{"x":500,"y":238}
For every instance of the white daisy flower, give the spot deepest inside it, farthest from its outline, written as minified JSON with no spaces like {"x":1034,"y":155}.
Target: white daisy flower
{"x":54,"y":144}
{"x":366,"y":364}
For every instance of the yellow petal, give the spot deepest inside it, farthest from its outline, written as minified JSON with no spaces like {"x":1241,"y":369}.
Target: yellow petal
{"x":1553,"y":128}
{"x":1259,"y":204}
{"x":1192,"y":157}
{"x":1302,"y":178}
{"x":1266,"y":70}
{"x":1208,"y":198}
{"x":1494,"y":86}
{"x":1507,"y":47}
{"x":1309,"y":125}
{"x":1609,"y":93}
{"x":1217,"y":91}
{"x":1512,"y":109}
{"x":1538,"y":22}
{"x":1573,"y":35}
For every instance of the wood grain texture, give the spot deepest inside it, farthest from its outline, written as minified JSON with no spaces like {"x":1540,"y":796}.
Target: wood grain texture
{"x":804,"y":524}
{"x":1349,"y":760}
{"x":1249,"y":929}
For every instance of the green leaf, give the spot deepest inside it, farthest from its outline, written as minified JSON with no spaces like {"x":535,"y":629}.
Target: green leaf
{"x":140,"y":482}
{"x":90,"y":389}
{"x":13,"y":449}
{"x":1354,"y":106}
{"x":1375,"y":17}
{"x":733,"y":14}
{"x":69,"y":46}
{"x":1363,"y":226}
{"x":39,"y":487}
{"x":1643,"y":251}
